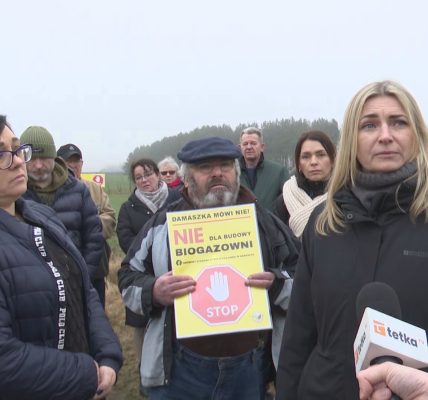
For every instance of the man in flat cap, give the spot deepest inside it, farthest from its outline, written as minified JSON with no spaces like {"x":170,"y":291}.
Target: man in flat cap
{"x":228,"y":366}
{"x":51,"y":183}
{"x":72,"y":156}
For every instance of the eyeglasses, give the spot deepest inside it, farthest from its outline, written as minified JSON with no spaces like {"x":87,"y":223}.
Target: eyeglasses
{"x":146,"y":176}
{"x":208,"y":167}
{"x":163,"y":173}
{"x":24,"y":152}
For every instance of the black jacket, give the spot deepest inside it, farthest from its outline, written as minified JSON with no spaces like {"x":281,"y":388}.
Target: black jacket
{"x":31,"y":365}
{"x":133,"y":215}
{"x":381,"y":244}
{"x":77,"y":211}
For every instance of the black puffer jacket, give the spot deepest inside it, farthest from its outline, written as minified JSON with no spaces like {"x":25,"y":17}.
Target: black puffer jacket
{"x":77,"y":211}
{"x":31,"y":366}
{"x":317,"y":360}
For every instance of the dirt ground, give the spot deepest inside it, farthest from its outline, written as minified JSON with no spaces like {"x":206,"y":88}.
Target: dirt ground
{"x":127,"y":386}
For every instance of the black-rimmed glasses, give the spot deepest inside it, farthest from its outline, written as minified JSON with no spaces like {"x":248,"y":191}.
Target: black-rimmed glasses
{"x":24,"y":152}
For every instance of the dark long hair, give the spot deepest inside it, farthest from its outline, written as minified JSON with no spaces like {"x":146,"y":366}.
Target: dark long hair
{"x":4,"y":123}
{"x":318,"y":136}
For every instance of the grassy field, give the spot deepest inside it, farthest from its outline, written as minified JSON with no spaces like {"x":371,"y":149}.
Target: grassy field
{"x":127,"y":387}
{"x":118,"y":184}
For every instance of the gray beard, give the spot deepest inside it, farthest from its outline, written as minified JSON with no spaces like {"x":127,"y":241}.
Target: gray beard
{"x":39,"y":178}
{"x":217,"y":198}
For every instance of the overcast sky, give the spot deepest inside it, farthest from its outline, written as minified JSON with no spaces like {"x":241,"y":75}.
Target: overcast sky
{"x":111,"y":75}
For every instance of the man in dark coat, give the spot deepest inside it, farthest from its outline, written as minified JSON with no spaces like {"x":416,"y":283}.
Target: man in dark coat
{"x":215,"y":365}
{"x":265,"y":178}
{"x":72,"y":156}
{"x":51,"y":183}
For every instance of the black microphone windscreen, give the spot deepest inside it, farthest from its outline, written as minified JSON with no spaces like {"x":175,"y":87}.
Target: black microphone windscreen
{"x":380,"y":297}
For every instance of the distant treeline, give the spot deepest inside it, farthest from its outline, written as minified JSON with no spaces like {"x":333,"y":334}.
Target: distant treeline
{"x":280,"y":137}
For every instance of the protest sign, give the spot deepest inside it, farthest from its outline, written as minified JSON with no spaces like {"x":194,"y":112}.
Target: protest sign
{"x":219,"y":248}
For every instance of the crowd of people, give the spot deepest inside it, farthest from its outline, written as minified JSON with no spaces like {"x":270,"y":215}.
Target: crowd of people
{"x":346,"y":217}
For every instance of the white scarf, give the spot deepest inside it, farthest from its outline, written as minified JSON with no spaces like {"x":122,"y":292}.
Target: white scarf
{"x":299,"y":205}
{"x":153,"y":200}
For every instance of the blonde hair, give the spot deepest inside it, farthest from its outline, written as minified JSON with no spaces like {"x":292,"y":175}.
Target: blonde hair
{"x":346,"y":166}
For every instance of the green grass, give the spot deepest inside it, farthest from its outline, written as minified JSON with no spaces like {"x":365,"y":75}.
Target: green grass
{"x":117,"y":199}
{"x":118,"y":184}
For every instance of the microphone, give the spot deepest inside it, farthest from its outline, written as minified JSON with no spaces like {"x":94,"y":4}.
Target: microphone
{"x":382,"y":336}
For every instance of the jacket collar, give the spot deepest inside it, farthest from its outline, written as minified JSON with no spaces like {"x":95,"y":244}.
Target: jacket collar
{"x":384,"y":204}
{"x":259,"y":164}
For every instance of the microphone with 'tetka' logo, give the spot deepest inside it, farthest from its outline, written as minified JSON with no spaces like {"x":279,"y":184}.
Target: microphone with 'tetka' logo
{"x":382,"y":336}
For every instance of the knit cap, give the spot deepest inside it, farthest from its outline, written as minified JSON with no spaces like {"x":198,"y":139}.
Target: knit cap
{"x":41,"y":141}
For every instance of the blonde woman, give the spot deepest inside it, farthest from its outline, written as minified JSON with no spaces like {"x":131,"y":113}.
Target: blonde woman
{"x":373,"y":227}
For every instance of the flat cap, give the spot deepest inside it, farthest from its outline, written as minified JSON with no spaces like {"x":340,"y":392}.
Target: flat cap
{"x":210,"y":147}
{"x":69,"y":150}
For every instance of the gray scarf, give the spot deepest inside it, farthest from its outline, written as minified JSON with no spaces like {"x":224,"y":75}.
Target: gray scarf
{"x":371,"y":184}
{"x":153,"y":200}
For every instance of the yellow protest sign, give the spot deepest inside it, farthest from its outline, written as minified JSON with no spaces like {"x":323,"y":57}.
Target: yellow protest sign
{"x":97,"y":178}
{"x":219,"y":248}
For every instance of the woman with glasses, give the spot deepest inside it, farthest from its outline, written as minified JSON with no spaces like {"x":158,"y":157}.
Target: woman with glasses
{"x":169,"y":173}
{"x":150,"y":195}
{"x":55,"y":340}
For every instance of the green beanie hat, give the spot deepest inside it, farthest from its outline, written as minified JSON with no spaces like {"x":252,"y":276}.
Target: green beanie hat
{"x":41,"y":140}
